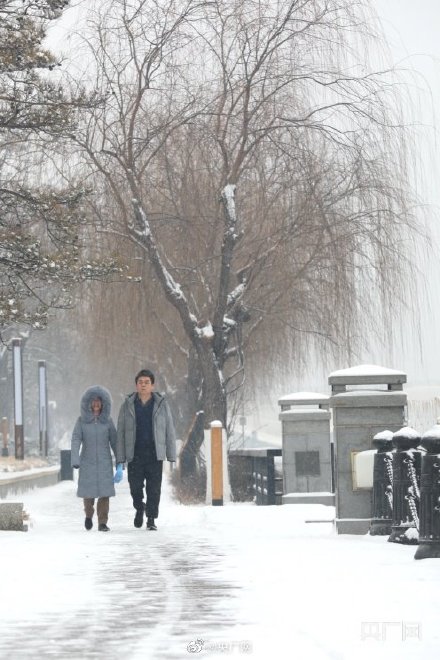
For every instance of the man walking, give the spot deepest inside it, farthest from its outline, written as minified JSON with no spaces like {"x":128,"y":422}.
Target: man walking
{"x":146,"y":438}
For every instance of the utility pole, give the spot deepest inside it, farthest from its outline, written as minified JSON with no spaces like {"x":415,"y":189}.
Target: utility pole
{"x":17,"y":363}
{"x":42,"y":407}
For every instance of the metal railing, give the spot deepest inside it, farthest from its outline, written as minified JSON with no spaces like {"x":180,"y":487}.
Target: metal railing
{"x":253,"y":475}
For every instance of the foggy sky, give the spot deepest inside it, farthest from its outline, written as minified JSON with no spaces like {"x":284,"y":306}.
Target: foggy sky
{"x":412,"y":33}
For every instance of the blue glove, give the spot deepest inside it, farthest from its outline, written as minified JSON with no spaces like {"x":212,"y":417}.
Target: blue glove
{"x":118,"y":474}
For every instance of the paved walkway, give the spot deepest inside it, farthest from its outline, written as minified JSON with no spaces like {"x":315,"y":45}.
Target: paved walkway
{"x":128,"y":593}
{"x":235,"y":581}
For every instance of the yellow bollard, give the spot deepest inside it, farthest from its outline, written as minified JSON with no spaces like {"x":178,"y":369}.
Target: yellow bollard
{"x":217,"y":463}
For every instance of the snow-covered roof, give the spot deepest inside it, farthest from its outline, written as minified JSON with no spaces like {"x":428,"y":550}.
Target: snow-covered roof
{"x":366,"y":374}
{"x":366,"y":370}
{"x":305,"y":398}
{"x":377,"y":393}
{"x":366,"y":398}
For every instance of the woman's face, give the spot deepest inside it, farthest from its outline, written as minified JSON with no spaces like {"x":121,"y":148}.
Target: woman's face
{"x":96,"y":406}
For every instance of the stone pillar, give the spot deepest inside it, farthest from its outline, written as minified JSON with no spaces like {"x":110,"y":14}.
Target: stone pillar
{"x":307,"y":467}
{"x":359,"y":414}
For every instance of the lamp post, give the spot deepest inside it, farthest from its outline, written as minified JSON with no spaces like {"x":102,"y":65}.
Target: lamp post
{"x":42,"y":407}
{"x":5,"y":434}
{"x":17,"y":364}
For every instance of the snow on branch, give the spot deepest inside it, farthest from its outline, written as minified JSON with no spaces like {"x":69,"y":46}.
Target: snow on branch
{"x":236,"y":294}
{"x":206,"y":332}
{"x":143,"y":228}
{"x":228,"y":197}
{"x":172,"y":289}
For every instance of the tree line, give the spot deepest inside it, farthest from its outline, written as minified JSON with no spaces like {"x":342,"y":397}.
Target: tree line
{"x":235,"y":165}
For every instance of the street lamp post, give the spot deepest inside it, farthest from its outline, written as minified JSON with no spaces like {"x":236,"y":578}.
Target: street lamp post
{"x":42,"y":407}
{"x":5,"y":434}
{"x":18,"y":398}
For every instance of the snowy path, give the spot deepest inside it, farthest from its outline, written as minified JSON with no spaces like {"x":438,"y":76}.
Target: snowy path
{"x":258,"y":580}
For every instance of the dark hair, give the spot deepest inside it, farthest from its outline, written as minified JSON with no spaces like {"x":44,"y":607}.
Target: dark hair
{"x":144,"y":373}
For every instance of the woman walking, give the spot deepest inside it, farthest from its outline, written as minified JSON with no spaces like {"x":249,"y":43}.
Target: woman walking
{"x":92,"y":437}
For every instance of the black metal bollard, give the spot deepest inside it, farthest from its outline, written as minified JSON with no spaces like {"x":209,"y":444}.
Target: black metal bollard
{"x":429,"y":542}
{"x":66,"y":471}
{"x":406,"y":487}
{"x":381,"y":520}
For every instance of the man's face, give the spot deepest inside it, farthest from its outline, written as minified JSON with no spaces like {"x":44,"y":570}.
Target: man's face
{"x":144,"y":387}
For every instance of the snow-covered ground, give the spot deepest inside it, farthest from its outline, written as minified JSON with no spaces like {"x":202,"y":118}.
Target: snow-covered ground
{"x":10,"y":472}
{"x":238,"y":580}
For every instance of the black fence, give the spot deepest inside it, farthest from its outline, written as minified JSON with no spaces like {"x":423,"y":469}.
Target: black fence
{"x":253,"y":475}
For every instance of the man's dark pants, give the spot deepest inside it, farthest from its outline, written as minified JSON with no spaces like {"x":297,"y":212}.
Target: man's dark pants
{"x":148,"y":472}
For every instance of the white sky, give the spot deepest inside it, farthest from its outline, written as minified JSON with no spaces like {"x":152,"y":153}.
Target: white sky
{"x":412,"y":31}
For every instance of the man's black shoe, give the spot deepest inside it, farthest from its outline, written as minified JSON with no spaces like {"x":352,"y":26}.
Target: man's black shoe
{"x":139,"y":518}
{"x":88,"y":523}
{"x":150,"y":524}
{"x":102,"y":527}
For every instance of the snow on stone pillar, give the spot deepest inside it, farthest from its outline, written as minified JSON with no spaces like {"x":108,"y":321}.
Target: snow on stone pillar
{"x":42,"y":407}
{"x":217,"y":463}
{"x":18,"y":398}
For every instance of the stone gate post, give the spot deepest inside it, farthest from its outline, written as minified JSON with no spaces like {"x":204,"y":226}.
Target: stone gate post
{"x":365,"y":400}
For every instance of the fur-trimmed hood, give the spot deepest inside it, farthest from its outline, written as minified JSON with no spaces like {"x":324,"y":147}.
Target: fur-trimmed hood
{"x":91,"y":393}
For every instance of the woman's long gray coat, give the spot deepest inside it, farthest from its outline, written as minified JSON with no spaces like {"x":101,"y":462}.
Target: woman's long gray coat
{"x":91,"y":441}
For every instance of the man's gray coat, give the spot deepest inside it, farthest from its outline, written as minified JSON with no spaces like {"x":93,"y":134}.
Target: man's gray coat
{"x":91,"y":441}
{"x":163,"y":430}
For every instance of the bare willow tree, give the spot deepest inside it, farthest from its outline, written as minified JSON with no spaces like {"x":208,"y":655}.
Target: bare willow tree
{"x":256,"y":166}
